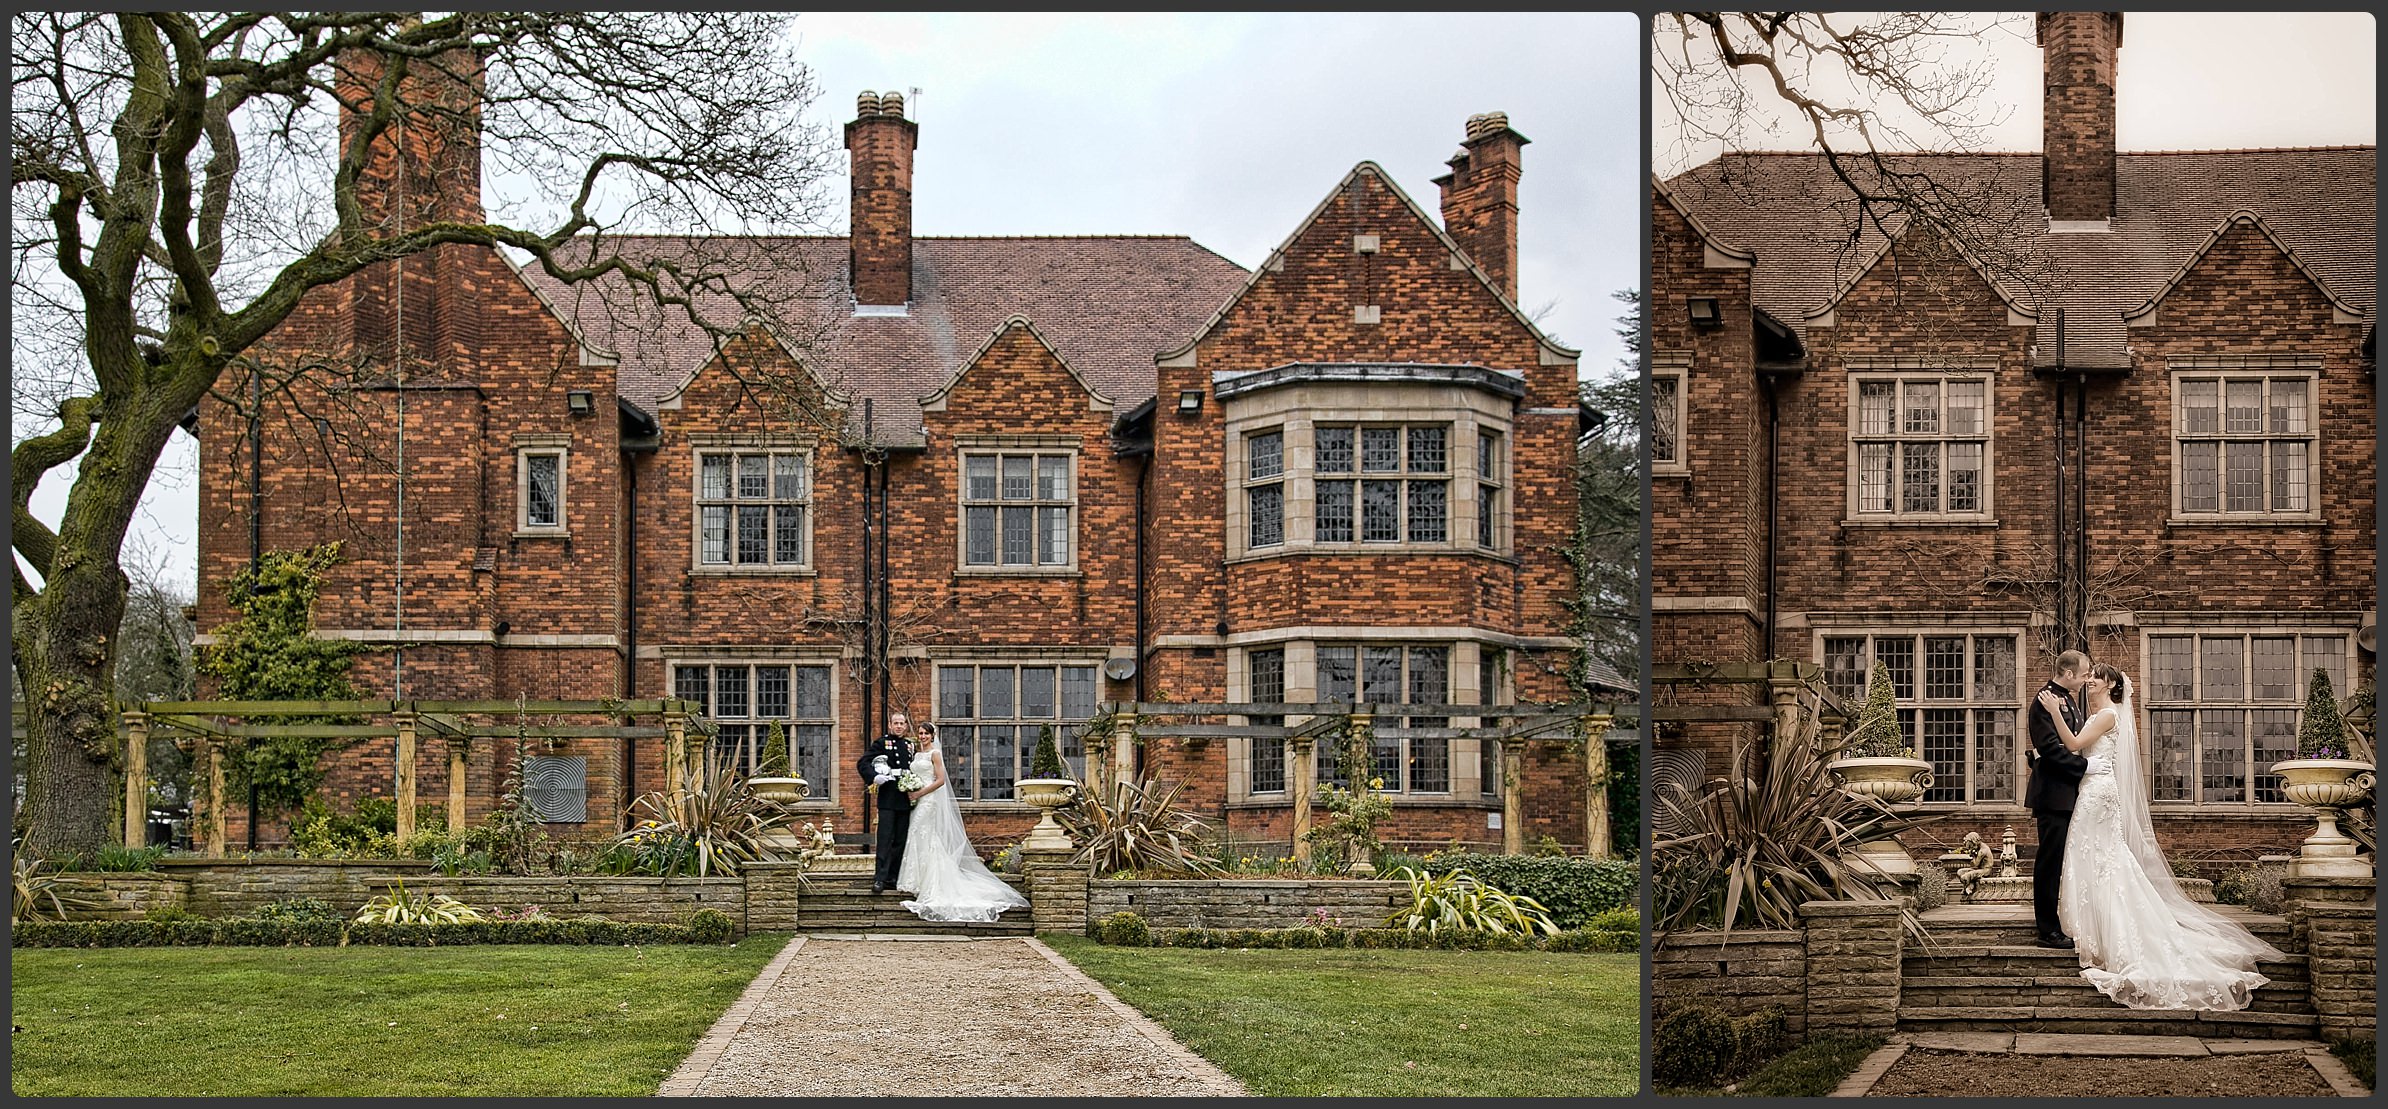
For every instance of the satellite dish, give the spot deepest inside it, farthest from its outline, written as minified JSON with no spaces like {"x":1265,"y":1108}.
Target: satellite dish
{"x":2369,"y":638}
{"x":1119,"y":669}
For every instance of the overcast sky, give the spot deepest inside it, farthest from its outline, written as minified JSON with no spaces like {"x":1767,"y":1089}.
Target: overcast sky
{"x":1225,"y":128}
{"x":2183,"y":81}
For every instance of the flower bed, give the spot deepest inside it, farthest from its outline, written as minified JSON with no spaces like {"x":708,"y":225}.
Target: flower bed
{"x":1581,"y":940}
{"x":707,"y":926}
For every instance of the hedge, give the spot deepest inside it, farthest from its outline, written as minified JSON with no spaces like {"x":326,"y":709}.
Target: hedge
{"x":1381,"y":938}
{"x":707,"y":926}
{"x":1573,"y":888}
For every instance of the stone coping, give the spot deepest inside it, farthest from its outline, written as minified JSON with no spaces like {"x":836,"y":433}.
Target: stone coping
{"x":1259,"y":883}
{"x":1849,"y":908}
{"x":1711,"y":937}
{"x":229,"y":860}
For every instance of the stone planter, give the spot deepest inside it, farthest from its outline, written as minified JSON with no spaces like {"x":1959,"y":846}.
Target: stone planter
{"x":2326,"y":786}
{"x":780,"y":791}
{"x":1892,"y":781}
{"x":1047,"y":794}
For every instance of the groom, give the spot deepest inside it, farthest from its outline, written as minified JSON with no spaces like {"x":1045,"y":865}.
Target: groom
{"x":2055,"y":779}
{"x":895,"y":806}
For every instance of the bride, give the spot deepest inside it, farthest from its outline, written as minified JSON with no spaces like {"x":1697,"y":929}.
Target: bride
{"x":2141,"y":940}
{"x":940,"y":870}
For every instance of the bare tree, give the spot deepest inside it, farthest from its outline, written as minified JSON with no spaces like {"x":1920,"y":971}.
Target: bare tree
{"x":1874,"y":95}
{"x":183,"y":181}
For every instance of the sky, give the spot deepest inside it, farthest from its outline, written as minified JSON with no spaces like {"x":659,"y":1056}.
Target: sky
{"x":2183,"y":81}
{"x":1225,"y":128}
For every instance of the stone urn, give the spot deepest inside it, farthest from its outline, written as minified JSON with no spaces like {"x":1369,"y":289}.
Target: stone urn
{"x":2326,"y":786}
{"x":1891,"y":780}
{"x":780,"y":791}
{"x":1047,"y":794}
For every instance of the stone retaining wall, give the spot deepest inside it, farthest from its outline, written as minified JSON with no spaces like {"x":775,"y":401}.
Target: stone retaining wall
{"x":2337,"y":918}
{"x":1247,"y":903}
{"x":128,"y":896}
{"x":1852,"y":965}
{"x":1738,"y":974}
{"x":236,"y":889}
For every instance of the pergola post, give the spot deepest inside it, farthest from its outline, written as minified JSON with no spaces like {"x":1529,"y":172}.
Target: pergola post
{"x":1098,"y":764}
{"x":1305,"y":781}
{"x":1596,"y":775}
{"x":1123,"y":748}
{"x":405,"y":759}
{"x":458,"y":747}
{"x":215,"y":798}
{"x":136,"y":779}
{"x":1513,"y":801}
{"x":675,"y":750}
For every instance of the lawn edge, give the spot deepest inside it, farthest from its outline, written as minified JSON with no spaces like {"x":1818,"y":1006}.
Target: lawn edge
{"x":1135,"y":1018}
{"x":2334,"y":1071}
{"x":716,"y":1040}
{"x":1870,"y":1070}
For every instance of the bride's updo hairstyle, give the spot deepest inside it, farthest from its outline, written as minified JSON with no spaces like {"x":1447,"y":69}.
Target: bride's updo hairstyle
{"x":2112,"y":677}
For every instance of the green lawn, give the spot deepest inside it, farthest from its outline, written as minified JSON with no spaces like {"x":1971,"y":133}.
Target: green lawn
{"x":1390,"y":1023}
{"x":367,"y":1020}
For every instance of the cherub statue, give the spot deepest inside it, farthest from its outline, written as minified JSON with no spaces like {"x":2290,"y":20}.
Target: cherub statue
{"x":1978,"y":859}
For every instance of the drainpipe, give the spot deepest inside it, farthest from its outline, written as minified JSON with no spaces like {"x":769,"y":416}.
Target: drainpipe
{"x":2081,"y":504}
{"x":2064,"y":581}
{"x":1144,"y":469}
{"x":256,"y":532}
{"x":885,"y":627}
{"x":1774,"y":442}
{"x":869,"y":706}
{"x":629,"y":625}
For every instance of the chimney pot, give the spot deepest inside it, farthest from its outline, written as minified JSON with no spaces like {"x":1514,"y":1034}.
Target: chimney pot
{"x":879,"y":238}
{"x":891,"y":104}
{"x":866,"y":105}
{"x":1480,"y":197}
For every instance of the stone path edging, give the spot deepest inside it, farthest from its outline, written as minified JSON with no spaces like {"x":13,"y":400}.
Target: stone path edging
{"x":1860,"y":1081}
{"x":1133,"y":1018}
{"x":692,"y":1070}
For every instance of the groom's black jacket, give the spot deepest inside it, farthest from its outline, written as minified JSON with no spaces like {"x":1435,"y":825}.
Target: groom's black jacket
{"x":2055,"y":770}
{"x":899,"y":756}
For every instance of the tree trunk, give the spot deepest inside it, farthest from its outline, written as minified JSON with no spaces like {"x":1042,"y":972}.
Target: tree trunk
{"x":66,"y":638}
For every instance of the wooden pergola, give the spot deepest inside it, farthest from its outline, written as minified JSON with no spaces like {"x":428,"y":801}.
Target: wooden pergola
{"x":1110,"y":751}
{"x":205,"y":724}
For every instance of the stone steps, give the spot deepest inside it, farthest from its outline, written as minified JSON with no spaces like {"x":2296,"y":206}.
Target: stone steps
{"x":2067,"y":991}
{"x":852,"y":907}
{"x":1980,"y":960}
{"x":2082,"y":1020}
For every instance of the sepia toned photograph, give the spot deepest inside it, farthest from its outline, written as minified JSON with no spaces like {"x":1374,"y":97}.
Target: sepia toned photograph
{"x":731,"y":554}
{"x":2012,"y":578}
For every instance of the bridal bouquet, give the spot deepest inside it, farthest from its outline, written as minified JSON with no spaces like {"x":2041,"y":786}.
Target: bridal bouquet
{"x":912,"y":780}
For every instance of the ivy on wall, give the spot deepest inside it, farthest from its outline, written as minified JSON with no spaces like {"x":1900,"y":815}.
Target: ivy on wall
{"x":268,"y":653}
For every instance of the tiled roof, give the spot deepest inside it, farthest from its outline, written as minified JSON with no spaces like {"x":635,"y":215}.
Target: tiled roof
{"x":1107,"y":304}
{"x":1792,"y":213}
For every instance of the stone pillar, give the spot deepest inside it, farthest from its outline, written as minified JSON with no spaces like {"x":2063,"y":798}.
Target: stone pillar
{"x":405,"y":761}
{"x":1303,"y":785}
{"x":1123,"y":747}
{"x":1853,"y":951}
{"x":1056,"y":890}
{"x":1362,"y":735}
{"x":675,"y":751}
{"x":215,"y":798}
{"x":458,"y":748}
{"x":1596,"y":793}
{"x":2338,"y":918}
{"x":136,"y":779}
{"x":773,"y":893}
{"x":1098,"y":765}
{"x":1513,"y":795}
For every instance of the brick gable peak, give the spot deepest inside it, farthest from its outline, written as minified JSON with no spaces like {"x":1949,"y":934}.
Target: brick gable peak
{"x":935,"y":401}
{"x":755,"y":329}
{"x":2249,"y":218}
{"x":1551,"y":350}
{"x":2012,"y":300}
{"x":1659,"y":188}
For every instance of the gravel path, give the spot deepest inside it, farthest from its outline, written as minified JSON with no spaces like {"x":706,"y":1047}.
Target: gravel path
{"x":1923,"y":1073}
{"x":943,"y":1019}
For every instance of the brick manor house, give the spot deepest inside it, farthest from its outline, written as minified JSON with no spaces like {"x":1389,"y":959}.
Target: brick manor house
{"x":1874,"y":453}
{"x":1061,"y":470}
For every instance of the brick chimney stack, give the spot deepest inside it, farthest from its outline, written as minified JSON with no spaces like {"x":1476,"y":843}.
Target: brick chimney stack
{"x":879,"y":241}
{"x":2077,"y":174}
{"x":1480,"y":197}
{"x":424,"y":167}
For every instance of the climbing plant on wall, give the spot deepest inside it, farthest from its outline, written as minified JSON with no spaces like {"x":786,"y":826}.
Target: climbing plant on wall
{"x":267,"y":653}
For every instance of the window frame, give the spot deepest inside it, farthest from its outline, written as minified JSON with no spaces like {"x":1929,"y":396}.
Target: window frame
{"x":1254,"y":483}
{"x":1976,"y":703}
{"x":1404,"y":477}
{"x":2200,"y":705}
{"x":1857,"y":439}
{"x":1407,"y":757}
{"x":805,"y":503}
{"x":523,"y":454}
{"x":826,"y":790}
{"x":1035,"y":451}
{"x":1678,"y":412}
{"x":1024,"y":738}
{"x":2222,"y":373}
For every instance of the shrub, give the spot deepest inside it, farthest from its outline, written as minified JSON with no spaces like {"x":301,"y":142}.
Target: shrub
{"x":296,"y":910}
{"x":246,"y":932}
{"x":710,"y":926}
{"x":1459,"y":900}
{"x":398,"y":906}
{"x":41,"y":892}
{"x":2255,"y":887}
{"x":1627,"y":919}
{"x":1876,"y":734}
{"x":119,"y":859}
{"x":2323,"y":733}
{"x":1694,"y":1045}
{"x":1572,"y":889}
{"x":168,"y":914}
{"x":1137,"y":828}
{"x":1931,"y":887}
{"x":1047,"y":761}
{"x":1389,"y":939}
{"x":1123,"y":929}
{"x":713,"y":826}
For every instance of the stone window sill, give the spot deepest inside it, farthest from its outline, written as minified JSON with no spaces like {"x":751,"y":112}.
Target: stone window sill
{"x":1018,"y":572}
{"x":752,"y":571}
{"x":1349,"y":550}
{"x":543,"y":533}
{"x":2244,"y":522}
{"x":1399,"y":800}
{"x":1919,"y":522}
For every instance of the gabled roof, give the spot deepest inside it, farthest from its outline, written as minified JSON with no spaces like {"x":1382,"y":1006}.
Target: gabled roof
{"x":1105,"y":304}
{"x":1371,"y":170}
{"x":2316,"y":203}
{"x":935,"y":401}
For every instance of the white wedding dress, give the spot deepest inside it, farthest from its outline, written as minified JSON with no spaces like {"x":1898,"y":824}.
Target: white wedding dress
{"x":2141,"y":940}
{"x":940,"y":870}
